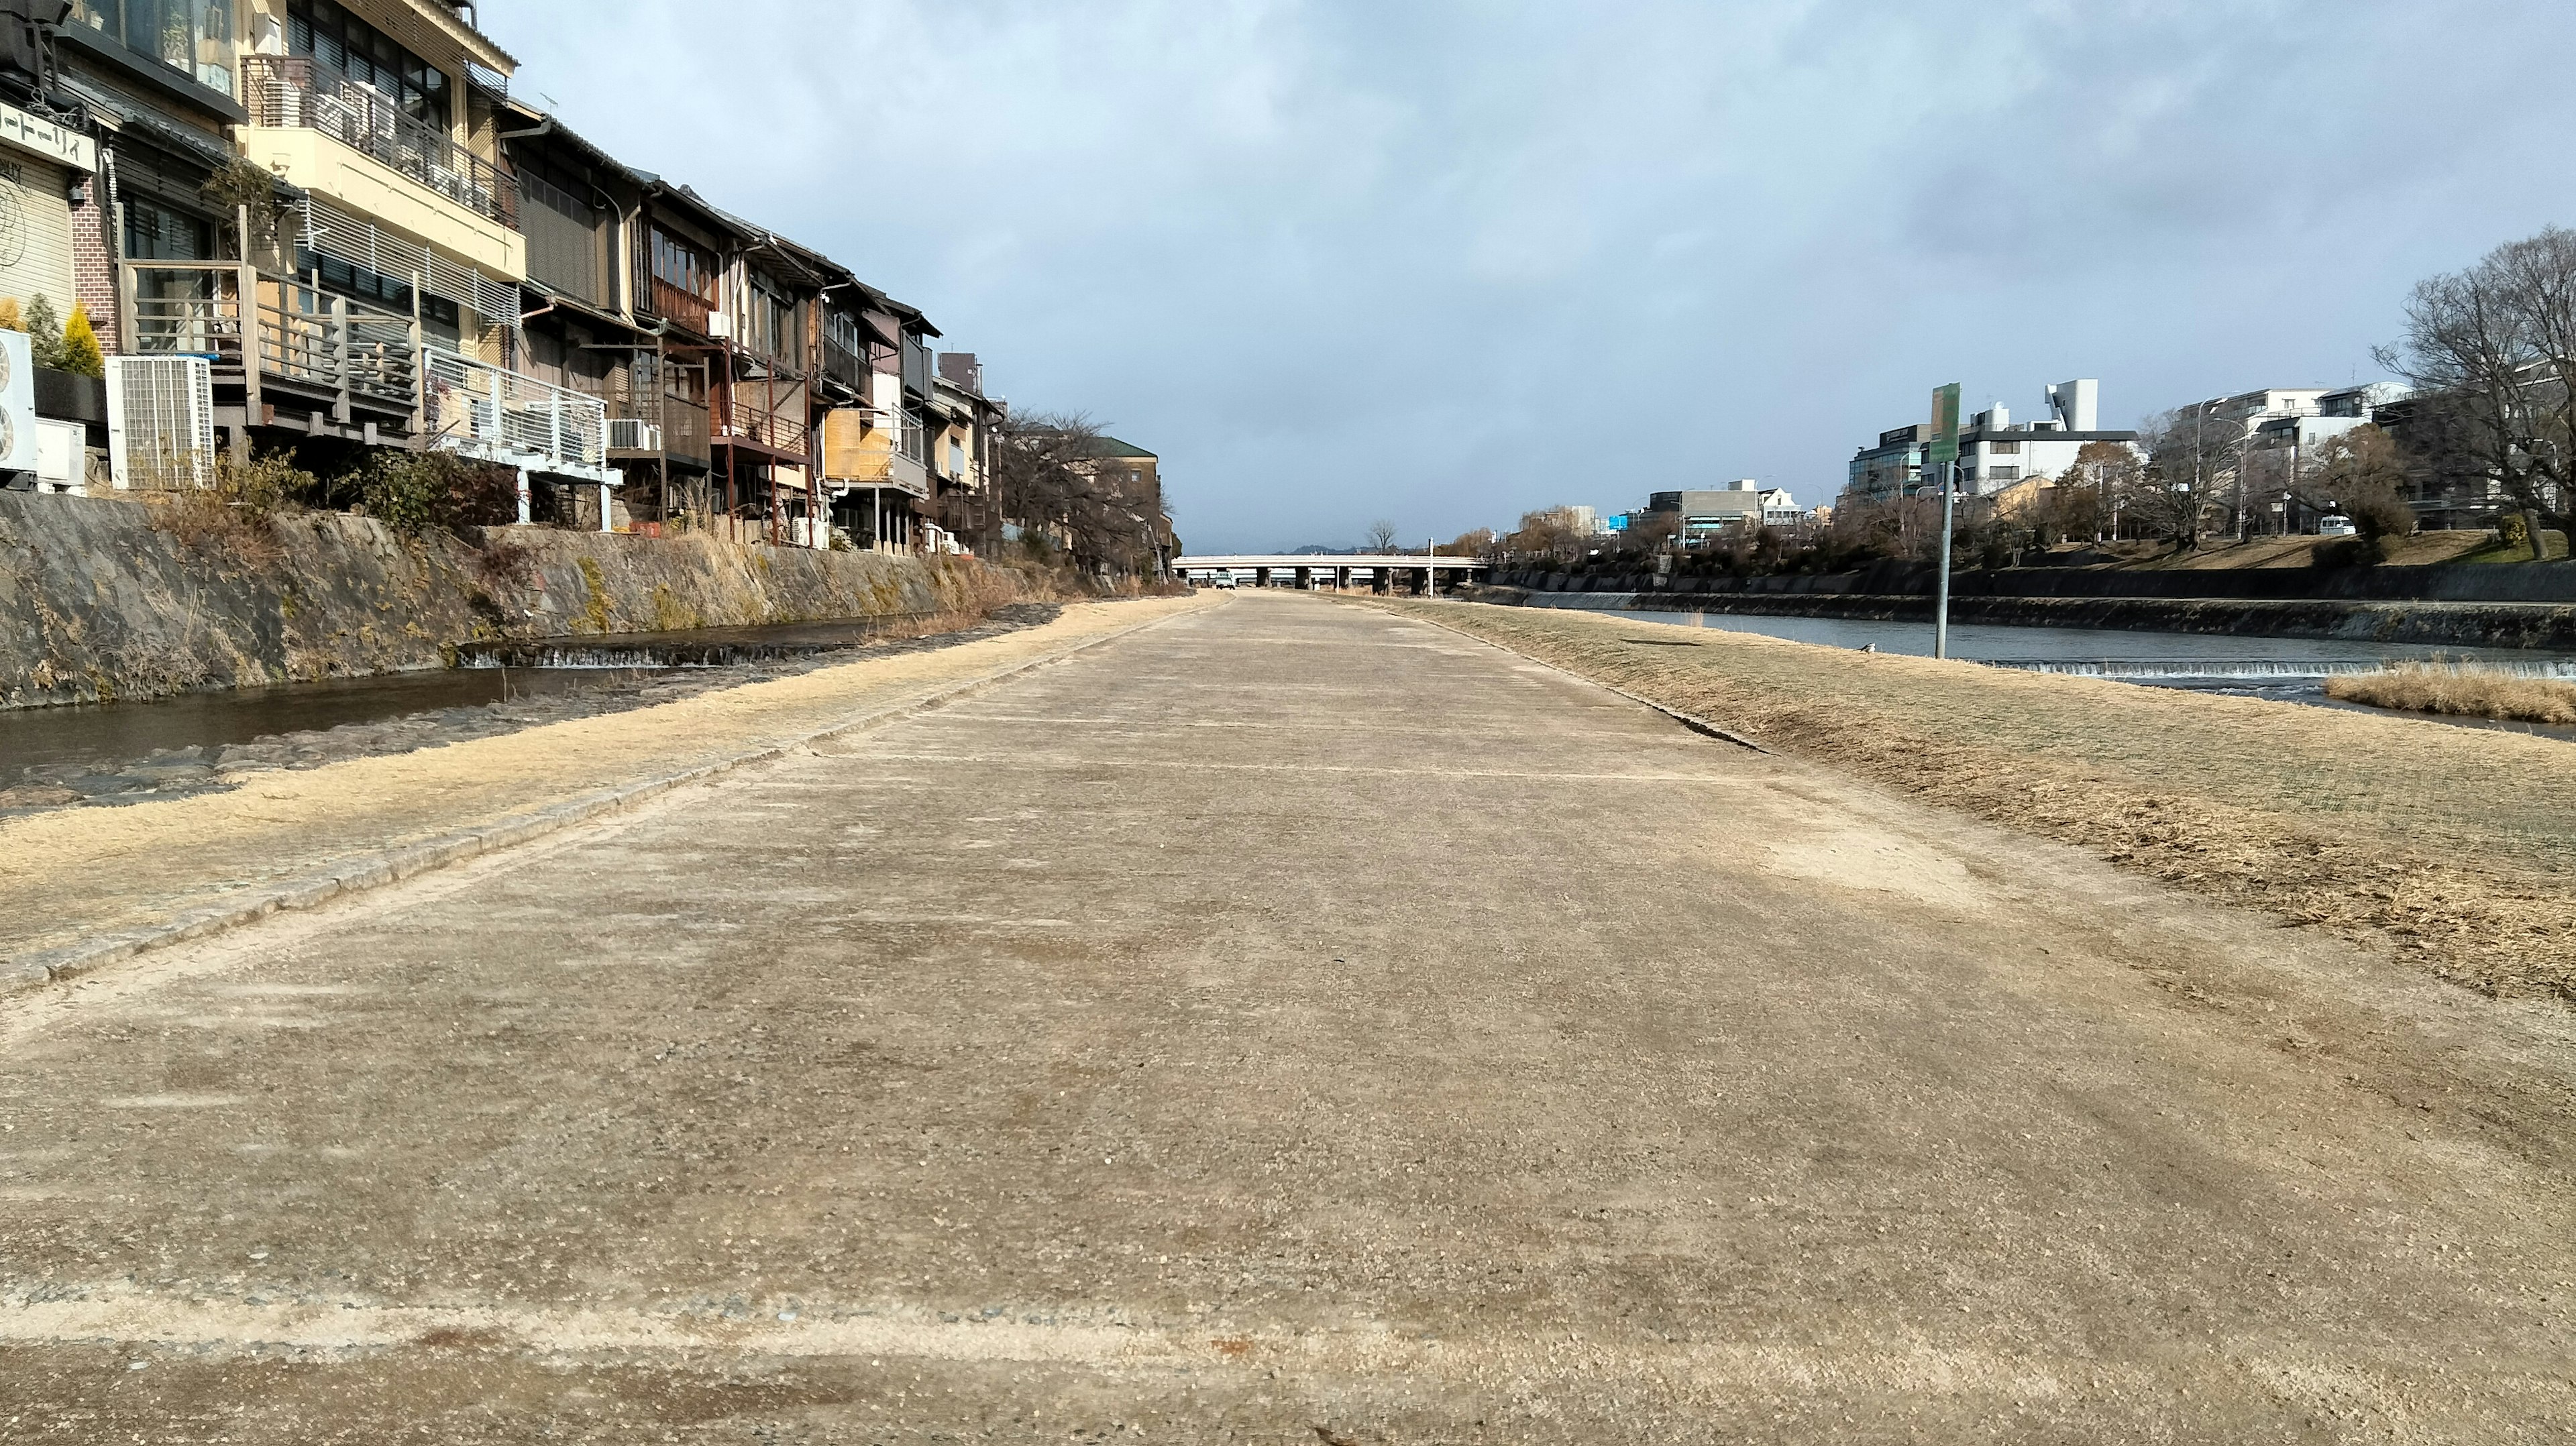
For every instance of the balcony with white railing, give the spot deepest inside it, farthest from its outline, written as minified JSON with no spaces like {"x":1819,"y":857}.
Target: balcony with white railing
{"x":299,"y":91}
{"x":353,"y":145}
{"x":491,"y":414}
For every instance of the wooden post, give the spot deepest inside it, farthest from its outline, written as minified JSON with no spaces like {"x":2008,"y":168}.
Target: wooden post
{"x":246,"y":321}
{"x":341,"y":409}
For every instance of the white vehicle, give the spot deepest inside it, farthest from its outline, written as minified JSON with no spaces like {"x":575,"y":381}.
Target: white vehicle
{"x":1221,"y":579}
{"x":2337,"y":525}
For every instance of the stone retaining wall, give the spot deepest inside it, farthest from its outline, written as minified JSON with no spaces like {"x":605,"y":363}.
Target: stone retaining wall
{"x":97,"y":601}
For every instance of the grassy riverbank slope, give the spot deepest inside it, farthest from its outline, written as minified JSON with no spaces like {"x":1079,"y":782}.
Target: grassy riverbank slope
{"x":2458,"y":845}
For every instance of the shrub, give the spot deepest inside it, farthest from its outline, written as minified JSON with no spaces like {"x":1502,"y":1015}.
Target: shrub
{"x":414,"y":492}
{"x":236,"y":513}
{"x":79,"y":352}
{"x":44,"y":333}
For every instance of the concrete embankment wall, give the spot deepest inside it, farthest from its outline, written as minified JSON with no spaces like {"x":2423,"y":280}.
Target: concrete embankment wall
{"x":99,"y":600}
{"x":2454,"y":624}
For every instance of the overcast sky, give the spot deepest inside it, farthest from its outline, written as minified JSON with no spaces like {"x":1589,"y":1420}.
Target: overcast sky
{"x":1336,"y":260}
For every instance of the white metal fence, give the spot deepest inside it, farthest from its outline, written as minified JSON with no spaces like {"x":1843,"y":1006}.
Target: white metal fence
{"x":480,"y":410}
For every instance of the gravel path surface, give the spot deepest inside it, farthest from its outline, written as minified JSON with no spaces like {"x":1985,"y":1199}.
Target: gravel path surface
{"x":1286,"y":1023}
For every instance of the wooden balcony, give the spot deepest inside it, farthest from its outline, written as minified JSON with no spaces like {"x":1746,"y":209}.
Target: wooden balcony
{"x":328,"y":347}
{"x":769,"y":415}
{"x":687,"y":308}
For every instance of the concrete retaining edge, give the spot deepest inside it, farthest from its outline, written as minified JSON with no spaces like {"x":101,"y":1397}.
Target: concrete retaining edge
{"x":368,"y":871}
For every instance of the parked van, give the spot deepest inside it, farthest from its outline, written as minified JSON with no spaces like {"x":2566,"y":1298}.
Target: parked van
{"x":2336,"y":525}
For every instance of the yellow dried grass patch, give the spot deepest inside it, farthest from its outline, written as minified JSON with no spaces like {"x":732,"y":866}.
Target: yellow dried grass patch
{"x":2462,"y":690}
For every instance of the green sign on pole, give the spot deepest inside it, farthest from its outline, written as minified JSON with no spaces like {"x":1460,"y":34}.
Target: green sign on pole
{"x":1944,"y":448}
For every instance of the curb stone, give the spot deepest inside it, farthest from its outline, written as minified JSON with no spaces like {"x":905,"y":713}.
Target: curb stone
{"x":358,"y":874}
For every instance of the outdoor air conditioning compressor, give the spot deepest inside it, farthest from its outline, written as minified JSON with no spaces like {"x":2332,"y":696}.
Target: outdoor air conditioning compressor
{"x":160,"y":422}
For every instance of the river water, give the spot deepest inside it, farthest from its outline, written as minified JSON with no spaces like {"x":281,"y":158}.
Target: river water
{"x":2290,"y":670}
{"x":120,"y":752}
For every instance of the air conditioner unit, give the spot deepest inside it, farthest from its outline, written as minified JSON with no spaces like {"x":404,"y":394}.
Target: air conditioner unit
{"x":633,"y":434}
{"x":62,"y":456}
{"x":160,"y":422}
{"x":17,"y":403}
{"x":719,"y":325}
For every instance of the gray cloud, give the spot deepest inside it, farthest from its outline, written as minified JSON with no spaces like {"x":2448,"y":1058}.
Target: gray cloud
{"x":1443,"y":262}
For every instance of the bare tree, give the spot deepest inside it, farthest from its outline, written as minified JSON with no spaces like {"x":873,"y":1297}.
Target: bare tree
{"x":1381,"y":536}
{"x":2085,"y":502}
{"x":1550,"y":532}
{"x":1054,"y":484}
{"x":2495,"y":347}
{"x":2194,"y":457}
{"x":2361,"y":474}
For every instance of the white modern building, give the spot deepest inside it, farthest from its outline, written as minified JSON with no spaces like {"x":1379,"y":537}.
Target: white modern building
{"x":1994,"y":451}
{"x":1706,"y":512}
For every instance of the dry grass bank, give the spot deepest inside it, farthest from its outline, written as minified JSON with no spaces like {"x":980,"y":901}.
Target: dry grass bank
{"x":2457,"y":844}
{"x":2462,"y":690}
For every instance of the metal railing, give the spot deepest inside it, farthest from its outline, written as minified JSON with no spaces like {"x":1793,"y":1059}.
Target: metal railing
{"x":300,"y":333}
{"x":299,"y":92}
{"x":770,"y":413}
{"x":479,"y":410}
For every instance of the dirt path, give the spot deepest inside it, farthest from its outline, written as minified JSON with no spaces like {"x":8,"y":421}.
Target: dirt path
{"x":1287,"y":1023}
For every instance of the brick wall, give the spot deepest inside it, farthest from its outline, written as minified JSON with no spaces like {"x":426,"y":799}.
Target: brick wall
{"x":94,"y":266}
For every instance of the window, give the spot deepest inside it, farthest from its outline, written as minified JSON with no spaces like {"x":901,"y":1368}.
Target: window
{"x":2003,"y":474}
{"x":332,"y":36}
{"x":956,"y":458}
{"x":154,"y":232}
{"x":771,"y":327}
{"x":2004,"y":449}
{"x":678,"y":264}
{"x":192,"y":37}
{"x":439,"y":317}
{"x":843,"y":330}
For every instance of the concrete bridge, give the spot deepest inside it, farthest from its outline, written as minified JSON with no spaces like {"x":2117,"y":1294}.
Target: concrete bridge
{"x":1379,"y":572}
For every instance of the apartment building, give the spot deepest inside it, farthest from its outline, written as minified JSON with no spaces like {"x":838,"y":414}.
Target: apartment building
{"x":1704,"y":514}
{"x":1995,"y":452}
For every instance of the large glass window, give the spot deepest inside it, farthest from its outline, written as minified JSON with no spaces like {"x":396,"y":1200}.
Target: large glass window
{"x":192,"y":37}
{"x":334,"y":37}
{"x":679,"y":264}
{"x":154,"y":232}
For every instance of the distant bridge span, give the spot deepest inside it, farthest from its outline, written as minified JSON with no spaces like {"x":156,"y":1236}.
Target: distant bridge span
{"x":1379,"y":572}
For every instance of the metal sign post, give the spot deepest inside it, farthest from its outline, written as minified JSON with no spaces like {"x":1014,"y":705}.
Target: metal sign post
{"x":1943,"y":453}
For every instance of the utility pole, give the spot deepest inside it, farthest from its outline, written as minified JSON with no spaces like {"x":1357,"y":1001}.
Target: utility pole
{"x":1943,"y":451}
